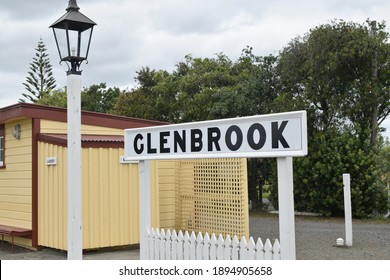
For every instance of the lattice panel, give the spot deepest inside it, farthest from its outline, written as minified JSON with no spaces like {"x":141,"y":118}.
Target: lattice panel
{"x":212,"y":196}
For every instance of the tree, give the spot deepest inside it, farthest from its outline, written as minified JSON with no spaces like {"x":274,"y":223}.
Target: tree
{"x":96,"y":98}
{"x":154,"y":98}
{"x":40,"y":80}
{"x":99,"y":98}
{"x":205,"y":89}
{"x":329,"y":73}
{"x":56,"y":98}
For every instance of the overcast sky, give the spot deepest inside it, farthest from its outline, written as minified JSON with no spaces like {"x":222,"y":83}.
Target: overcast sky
{"x":159,"y":33}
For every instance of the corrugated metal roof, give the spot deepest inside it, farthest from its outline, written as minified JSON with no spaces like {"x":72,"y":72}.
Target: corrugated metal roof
{"x":114,"y":141}
{"x":103,"y":138}
{"x":88,"y":137}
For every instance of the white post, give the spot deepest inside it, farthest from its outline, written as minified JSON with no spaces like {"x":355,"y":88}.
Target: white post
{"x":347,"y":209}
{"x":286,"y":208}
{"x":75,"y":244}
{"x":388,"y":197}
{"x":144,"y":207}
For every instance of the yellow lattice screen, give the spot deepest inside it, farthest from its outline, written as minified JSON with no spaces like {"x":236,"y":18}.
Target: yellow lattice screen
{"x":211,"y":196}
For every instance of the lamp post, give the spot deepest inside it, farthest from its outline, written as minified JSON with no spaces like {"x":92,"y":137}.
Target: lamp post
{"x":73,"y":33}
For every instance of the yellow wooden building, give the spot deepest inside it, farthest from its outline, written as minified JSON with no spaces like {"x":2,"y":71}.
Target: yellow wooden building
{"x":33,"y":182}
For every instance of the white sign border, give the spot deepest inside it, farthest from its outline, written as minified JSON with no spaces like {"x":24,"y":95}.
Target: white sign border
{"x":266,"y":154}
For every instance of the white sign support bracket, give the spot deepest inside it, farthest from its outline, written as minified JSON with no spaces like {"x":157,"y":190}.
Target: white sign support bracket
{"x":144,"y":201}
{"x":286,"y":208}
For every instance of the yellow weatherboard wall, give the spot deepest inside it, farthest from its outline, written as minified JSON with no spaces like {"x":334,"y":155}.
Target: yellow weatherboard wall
{"x":202,"y":195}
{"x":110,"y":198}
{"x":52,"y":197}
{"x":110,"y":193}
{"x":110,"y":189}
{"x":167,"y":184}
{"x":16,"y":179}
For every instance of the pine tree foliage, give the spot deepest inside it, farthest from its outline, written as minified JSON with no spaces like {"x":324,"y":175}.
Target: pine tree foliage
{"x":40,"y":80}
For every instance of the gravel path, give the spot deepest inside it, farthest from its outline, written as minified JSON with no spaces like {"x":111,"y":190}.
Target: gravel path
{"x":315,"y":240}
{"x":316,"y":237}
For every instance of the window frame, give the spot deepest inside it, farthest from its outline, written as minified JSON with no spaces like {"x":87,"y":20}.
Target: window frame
{"x":2,"y":146}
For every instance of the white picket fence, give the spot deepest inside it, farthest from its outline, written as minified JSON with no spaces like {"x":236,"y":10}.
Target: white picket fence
{"x":189,"y":246}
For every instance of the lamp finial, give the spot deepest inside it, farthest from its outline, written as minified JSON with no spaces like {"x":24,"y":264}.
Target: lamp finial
{"x":72,"y":6}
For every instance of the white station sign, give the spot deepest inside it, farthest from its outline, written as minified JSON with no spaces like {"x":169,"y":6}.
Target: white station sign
{"x":273,"y":135}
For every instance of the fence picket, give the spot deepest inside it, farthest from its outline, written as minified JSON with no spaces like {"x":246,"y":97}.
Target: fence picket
{"x":206,"y":247}
{"x":199,"y":247}
{"x":227,"y":251}
{"x":220,"y":243}
{"x":174,"y":245}
{"x":169,"y":245}
{"x":152,"y":241}
{"x":167,"y":248}
{"x":268,"y":250}
{"x":276,"y":250}
{"x":235,"y":248}
{"x":192,"y":246}
{"x":243,"y":249}
{"x":162,"y":245}
{"x":180,"y":246}
{"x":156,"y":244}
{"x":213,"y":247}
{"x":251,"y":249}
{"x":260,"y":250}
{"x":186,"y":246}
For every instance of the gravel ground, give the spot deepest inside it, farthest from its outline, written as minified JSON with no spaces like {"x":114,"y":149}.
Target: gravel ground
{"x":315,"y":240}
{"x":316,"y":237}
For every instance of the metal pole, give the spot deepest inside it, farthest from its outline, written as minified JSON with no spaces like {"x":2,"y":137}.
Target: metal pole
{"x":75,"y":247}
{"x":286,"y":208}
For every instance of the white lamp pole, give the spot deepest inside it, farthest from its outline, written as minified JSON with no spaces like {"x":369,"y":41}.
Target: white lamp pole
{"x":73,"y":25}
{"x":75,"y":234}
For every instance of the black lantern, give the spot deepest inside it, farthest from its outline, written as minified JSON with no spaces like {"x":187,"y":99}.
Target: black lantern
{"x":73,"y":33}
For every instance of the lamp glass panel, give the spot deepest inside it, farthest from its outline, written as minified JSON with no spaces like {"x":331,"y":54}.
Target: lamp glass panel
{"x":73,"y":39}
{"x":62,"y":42}
{"x":84,"y":42}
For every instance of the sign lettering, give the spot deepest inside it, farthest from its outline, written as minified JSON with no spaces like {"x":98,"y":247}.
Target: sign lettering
{"x":51,"y":161}
{"x":275,"y":135}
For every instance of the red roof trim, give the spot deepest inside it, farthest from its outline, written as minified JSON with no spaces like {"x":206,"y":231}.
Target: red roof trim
{"x":59,"y":114}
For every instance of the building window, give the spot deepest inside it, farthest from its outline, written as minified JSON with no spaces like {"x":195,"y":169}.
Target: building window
{"x":2,"y":144}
